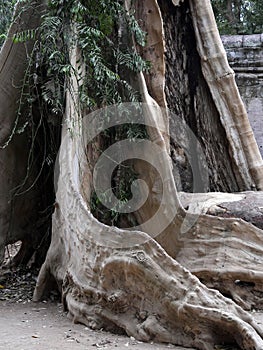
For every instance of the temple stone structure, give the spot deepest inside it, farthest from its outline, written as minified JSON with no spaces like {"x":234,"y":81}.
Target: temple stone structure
{"x":245,"y":56}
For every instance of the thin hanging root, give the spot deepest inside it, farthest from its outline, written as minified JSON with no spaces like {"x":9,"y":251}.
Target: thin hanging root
{"x":14,"y":65}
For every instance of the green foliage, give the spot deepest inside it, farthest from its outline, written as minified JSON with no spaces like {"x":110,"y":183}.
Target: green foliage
{"x":104,"y":33}
{"x":24,"y":36}
{"x":122,"y":179}
{"x":135,"y":29}
{"x":239,"y":16}
{"x":94,"y":27}
{"x":6,"y":12}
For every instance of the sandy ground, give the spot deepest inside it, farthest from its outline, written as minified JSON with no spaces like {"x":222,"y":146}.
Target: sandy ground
{"x":25,"y":325}
{"x":44,"y":326}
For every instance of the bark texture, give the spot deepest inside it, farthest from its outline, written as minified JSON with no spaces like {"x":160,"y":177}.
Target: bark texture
{"x":243,"y":205}
{"x":232,"y":244}
{"x":190,"y":101}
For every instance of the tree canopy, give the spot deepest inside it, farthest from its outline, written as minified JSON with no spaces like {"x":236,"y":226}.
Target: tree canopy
{"x":232,"y":16}
{"x":238,"y":16}
{"x":6,"y":11}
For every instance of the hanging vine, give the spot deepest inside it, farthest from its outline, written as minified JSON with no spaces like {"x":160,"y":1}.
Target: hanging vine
{"x":99,"y":29}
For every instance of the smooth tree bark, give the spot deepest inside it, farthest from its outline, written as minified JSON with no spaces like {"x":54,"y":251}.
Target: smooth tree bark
{"x":149,"y":282}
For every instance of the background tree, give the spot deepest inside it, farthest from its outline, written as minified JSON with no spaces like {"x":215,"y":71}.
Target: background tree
{"x":238,"y":16}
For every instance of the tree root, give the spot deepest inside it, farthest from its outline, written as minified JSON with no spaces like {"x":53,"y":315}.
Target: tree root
{"x":124,"y":280}
{"x":144,"y":292}
{"x":226,"y":254}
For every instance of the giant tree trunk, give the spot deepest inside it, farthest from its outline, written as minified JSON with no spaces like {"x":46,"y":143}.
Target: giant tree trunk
{"x":120,"y":279}
{"x":140,"y":281}
{"x":124,"y":280}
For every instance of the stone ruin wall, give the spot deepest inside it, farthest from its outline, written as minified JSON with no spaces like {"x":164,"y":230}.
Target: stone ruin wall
{"x":245,"y":56}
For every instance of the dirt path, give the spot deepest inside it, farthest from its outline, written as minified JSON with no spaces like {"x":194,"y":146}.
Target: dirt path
{"x":25,"y":325}
{"x":44,"y":326}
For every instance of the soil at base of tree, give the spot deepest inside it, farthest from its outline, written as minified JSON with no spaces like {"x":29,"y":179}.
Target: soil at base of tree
{"x":44,"y":326}
{"x":25,"y":325}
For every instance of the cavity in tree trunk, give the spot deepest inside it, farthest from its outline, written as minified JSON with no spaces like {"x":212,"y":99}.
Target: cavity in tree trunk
{"x":149,"y":282}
